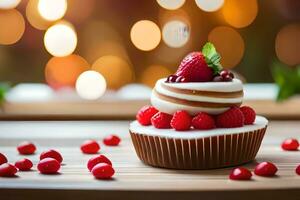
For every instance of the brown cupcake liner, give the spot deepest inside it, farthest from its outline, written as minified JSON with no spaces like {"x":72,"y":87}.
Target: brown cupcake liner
{"x":199,"y":153}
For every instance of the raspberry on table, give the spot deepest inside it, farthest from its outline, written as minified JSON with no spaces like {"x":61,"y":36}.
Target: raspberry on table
{"x":290,"y":144}
{"x":240,"y":173}
{"x":265,"y":169}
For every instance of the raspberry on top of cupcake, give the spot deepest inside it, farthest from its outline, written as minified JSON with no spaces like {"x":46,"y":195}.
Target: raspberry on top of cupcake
{"x":200,"y":95}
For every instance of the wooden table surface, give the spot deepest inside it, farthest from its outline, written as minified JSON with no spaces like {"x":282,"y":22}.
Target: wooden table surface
{"x":133,"y":179}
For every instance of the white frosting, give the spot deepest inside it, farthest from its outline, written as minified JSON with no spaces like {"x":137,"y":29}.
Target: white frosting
{"x":135,"y":127}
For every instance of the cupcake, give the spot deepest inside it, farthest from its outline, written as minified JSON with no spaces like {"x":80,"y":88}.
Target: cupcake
{"x":197,"y":120}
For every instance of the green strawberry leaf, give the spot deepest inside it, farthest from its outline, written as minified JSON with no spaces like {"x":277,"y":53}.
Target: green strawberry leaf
{"x":212,"y":57}
{"x":4,"y":87}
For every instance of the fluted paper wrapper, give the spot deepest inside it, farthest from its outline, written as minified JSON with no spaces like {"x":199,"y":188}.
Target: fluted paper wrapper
{"x":199,"y":153}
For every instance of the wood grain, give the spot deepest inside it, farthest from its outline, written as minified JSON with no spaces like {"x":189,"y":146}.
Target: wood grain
{"x":133,"y":179}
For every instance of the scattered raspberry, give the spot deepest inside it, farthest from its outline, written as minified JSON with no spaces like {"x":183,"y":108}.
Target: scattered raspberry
{"x":290,"y":144}
{"x":51,"y":154}
{"x":181,"y":121}
{"x":240,"y":173}
{"x":249,"y":114}
{"x":231,"y":118}
{"x":48,"y":166}
{"x":203,"y":121}
{"x":195,"y":69}
{"x":3,"y":159}
{"x":103,"y":171}
{"x":145,"y":114}
{"x":161,"y":120}
{"x":90,"y":147}
{"x":7,"y":170}
{"x":265,"y":169}
{"x":298,"y":170}
{"x":24,"y":164}
{"x":111,"y":140}
{"x":26,"y":148}
{"x":96,"y":160}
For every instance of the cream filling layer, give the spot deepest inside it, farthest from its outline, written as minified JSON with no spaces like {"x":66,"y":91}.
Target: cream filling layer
{"x":135,"y":127}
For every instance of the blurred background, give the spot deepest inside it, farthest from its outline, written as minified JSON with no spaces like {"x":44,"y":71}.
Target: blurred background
{"x":55,"y":41}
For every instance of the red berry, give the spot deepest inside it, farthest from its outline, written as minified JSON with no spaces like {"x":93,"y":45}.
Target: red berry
{"x":249,"y":114}
{"x":240,"y":173}
{"x":26,"y":148}
{"x":3,"y":159}
{"x":194,"y":68}
{"x":24,"y":164}
{"x":161,"y":120}
{"x":290,"y":144}
{"x":171,"y":79}
{"x":111,"y":140}
{"x":90,"y":147}
{"x":298,"y":170}
{"x":265,"y":169}
{"x":97,"y":159}
{"x":218,"y":79}
{"x":103,"y":171}
{"x":145,"y":114}
{"x":203,"y":121}
{"x":181,"y":121}
{"x":231,"y":118}
{"x":7,"y":170}
{"x":48,"y":166}
{"x":51,"y":154}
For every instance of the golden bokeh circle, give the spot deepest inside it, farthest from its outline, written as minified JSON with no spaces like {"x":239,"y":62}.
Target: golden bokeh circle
{"x":209,"y":6}
{"x":145,"y":35}
{"x":12,"y":26}
{"x":153,"y":73}
{"x":63,"y":71}
{"x":116,"y":71}
{"x":229,"y":43}
{"x":239,"y":13}
{"x":287,"y":44}
{"x":171,"y":4}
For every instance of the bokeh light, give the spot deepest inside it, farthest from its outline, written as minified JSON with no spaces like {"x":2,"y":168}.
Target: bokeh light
{"x":34,"y":17}
{"x":9,"y":4}
{"x":287,"y":44}
{"x":171,"y":4}
{"x":52,"y":10}
{"x":209,"y":5}
{"x":239,"y":13}
{"x":12,"y":26}
{"x":78,"y":11}
{"x":63,"y":71}
{"x":116,"y":71}
{"x":152,"y":73}
{"x":175,"y":33}
{"x":90,"y":85}
{"x":60,"y":40}
{"x":229,"y":43}
{"x":145,"y":35}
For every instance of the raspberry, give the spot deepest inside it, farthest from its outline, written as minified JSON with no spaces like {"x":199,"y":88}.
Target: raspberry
{"x":96,"y":160}
{"x":26,"y":148}
{"x":3,"y":159}
{"x":111,"y":140}
{"x":7,"y":170}
{"x":90,"y":147}
{"x":240,"y":173}
{"x":145,"y":114}
{"x":231,"y":118}
{"x":24,"y":164}
{"x":195,"y":69}
{"x":203,"y":121}
{"x":48,"y":166}
{"x":297,"y":170}
{"x":181,"y":121}
{"x":51,"y":154}
{"x":161,"y":120}
{"x":265,"y":169}
{"x":249,"y":114}
{"x":290,"y":144}
{"x":103,"y":171}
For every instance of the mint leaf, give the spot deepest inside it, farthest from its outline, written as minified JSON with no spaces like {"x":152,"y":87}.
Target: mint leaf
{"x":4,"y":87}
{"x":212,"y":57}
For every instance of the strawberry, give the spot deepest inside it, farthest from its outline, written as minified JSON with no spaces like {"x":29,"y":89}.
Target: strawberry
{"x":203,"y":121}
{"x":181,"y":121}
{"x":231,"y":118}
{"x":145,"y":114}
{"x":161,"y":120}
{"x":249,"y":114}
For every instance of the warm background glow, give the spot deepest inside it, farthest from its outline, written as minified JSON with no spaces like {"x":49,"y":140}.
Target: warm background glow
{"x":153,"y":73}
{"x":34,"y":17}
{"x":176,"y":33}
{"x":52,"y":10}
{"x":209,"y":5}
{"x":9,"y":4}
{"x":171,"y":4}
